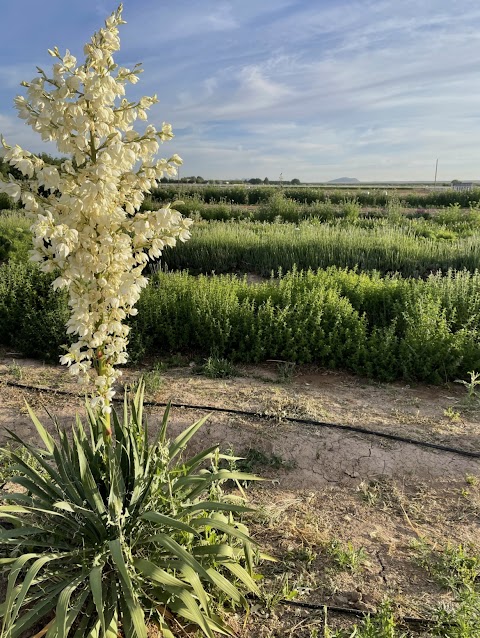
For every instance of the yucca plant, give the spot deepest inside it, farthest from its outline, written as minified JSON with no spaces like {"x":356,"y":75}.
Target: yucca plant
{"x":104,"y":537}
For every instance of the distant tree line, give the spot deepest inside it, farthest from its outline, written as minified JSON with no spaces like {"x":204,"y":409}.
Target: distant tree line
{"x":200,"y":180}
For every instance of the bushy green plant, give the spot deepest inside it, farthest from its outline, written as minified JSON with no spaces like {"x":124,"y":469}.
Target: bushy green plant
{"x":253,"y":247}
{"x":216,"y":367}
{"x":15,"y":237}
{"x":32,"y":314}
{"x":385,"y":327}
{"x":123,"y":533}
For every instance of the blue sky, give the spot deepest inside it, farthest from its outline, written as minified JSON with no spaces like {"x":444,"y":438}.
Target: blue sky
{"x":312,"y":89}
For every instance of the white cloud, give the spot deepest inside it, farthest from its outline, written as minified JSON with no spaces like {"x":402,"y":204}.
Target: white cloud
{"x":374,"y":88}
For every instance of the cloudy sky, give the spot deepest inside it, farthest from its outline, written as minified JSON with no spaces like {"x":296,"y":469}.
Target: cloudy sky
{"x":312,"y":89}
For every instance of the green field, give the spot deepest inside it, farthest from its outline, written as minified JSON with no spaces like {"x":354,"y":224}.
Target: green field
{"x":386,"y":291}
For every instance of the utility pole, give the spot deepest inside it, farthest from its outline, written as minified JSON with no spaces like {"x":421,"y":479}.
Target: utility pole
{"x":436,"y":169}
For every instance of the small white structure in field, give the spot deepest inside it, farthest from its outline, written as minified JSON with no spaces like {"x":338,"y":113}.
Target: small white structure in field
{"x":462,"y":186}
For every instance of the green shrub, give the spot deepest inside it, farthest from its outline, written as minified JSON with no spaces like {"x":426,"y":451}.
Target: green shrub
{"x":15,"y":236}
{"x":384,"y":327}
{"x":244,"y":194}
{"x":32,"y":314}
{"x":225,"y":247}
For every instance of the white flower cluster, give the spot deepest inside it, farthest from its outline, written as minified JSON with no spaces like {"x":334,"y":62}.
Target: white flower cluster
{"x":87,"y":221}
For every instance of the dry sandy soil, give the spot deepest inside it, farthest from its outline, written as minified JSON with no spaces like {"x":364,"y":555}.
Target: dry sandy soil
{"x":327,"y":487}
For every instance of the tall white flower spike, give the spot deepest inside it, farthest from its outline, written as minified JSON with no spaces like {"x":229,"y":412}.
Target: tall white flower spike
{"x":87,"y":225}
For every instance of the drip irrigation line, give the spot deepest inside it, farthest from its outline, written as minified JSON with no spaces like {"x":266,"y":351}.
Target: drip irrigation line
{"x":262,"y":415}
{"x":352,"y":611}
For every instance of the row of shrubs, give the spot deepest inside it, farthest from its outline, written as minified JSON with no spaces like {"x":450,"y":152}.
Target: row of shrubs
{"x":411,"y":247}
{"x":279,"y":207}
{"x":216,"y":194}
{"x":224,"y":247}
{"x":386,"y":328}
{"x":211,"y":194}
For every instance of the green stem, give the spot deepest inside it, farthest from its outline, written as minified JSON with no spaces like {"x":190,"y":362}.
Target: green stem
{"x":107,"y":428}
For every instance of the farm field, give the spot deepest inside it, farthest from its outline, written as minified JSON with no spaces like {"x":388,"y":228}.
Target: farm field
{"x":337,"y":310}
{"x":390,"y":291}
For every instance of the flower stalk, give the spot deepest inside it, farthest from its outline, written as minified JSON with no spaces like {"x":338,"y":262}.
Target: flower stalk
{"x":87,"y":222}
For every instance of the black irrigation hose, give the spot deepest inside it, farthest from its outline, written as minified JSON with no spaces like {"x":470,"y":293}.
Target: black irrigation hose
{"x":290,"y":419}
{"x":352,"y":611}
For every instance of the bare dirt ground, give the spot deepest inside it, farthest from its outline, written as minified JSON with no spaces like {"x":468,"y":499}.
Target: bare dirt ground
{"x":379,"y":501}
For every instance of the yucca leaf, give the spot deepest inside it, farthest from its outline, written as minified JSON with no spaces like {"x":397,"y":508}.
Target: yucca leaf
{"x":242,"y":574}
{"x":214,"y":506}
{"x":94,"y":631}
{"x":59,"y":628}
{"x":130,"y":606}
{"x":30,"y":509}
{"x":90,"y":486}
{"x":132,"y":617}
{"x":139,"y":494}
{"x":125,"y":412}
{"x":18,"y":532}
{"x":47,"y":467}
{"x":247,"y":549}
{"x":191,"y":611}
{"x":137,"y":408}
{"x":35,"y":488}
{"x":204,"y":478}
{"x":193,"y":579}
{"x":179,"y":552}
{"x":28,"y":581}
{"x":226,"y":586}
{"x":116,"y":552}
{"x":196,"y":460}
{"x":36,"y":613}
{"x":219,"y":551}
{"x":26,"y":530}
{"x":165,"y":629}
{"x":12,"y":592}
{"x":44,"y":435}
{"x":168,"y":521}
{"x":162,"y":432}
{"x":112,"y":626}
{"x":156,"y":574}
{"x":214,"y":622}
{"x":76,"y":608}
{"x":95,"y":579}
{"x":182,"y":439}
{"x":227,"y":528}
{"x":86,"y":620}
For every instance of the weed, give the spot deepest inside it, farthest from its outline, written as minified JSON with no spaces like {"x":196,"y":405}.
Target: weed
{"x":153,"y":379}
{"x":456,"y":568}
{"x":218,"y":368}
{"x":473,"y":396}
{"x":258,"y":459}
{"x":382,"y":625}
{"x":346,"y":556}
{"x":370,"y":492}
{"x":453,"y":416}
{"x":284,"y":591}
{"x":285,"y":371}
{"x":304,"y":554}
{"x":16,"y":371}
{"x":472,"y":480}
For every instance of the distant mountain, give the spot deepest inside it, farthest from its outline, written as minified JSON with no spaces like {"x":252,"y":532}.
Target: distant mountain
{"x":344,"y":180}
